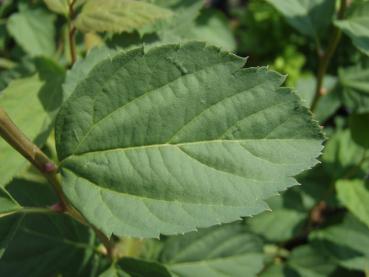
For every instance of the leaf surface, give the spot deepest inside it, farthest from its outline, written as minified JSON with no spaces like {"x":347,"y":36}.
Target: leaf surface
{"x":180,"y":137}
{"x":354,"y":194}
{"x":118,"y":15}
{"x":227,"y":250}
{"x":355,"y":88}
{"x":356,"y":25}
{"x":346,"y":242}
{"x":58,"y":6}
{"x":34,"y":31}
{"x":309,"y":17}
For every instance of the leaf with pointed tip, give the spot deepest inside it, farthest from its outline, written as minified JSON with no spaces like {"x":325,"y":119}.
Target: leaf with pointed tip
{"x":228,"y":250}
{"x":310,"y":17}
{"x":354,"y":194}
{"x":356,"y":25}
{"x":34,"y":31}
{"x":118,"y":16}
{"x":58,"y":6}
{"x":180,"y":137}
{"x":31,"y":103}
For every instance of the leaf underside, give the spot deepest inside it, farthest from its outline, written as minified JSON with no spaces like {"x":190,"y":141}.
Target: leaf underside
{"x":180,"y":137}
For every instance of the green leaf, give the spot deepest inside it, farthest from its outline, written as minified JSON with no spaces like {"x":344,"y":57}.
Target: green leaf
{"x":355,"y":88}
{"x":118,"y":16}
{"x":347,"y":243}
{"x":188,"y":24}
{"x":359,"y":129}
{"x":7,"y":203}
{"x":58,"y":6}
{"x":114,"y":271}
{"x":227,"y":250}
{"x":82,"y":68}
{"x":8,"y":226}
{"x":328,"y":104}
{"x":310,"y":262}
{"x":31,"y":103}
{"x":141,"y":268}
{"x":354,"y":194}
{"x":309,"y":17}
{"x":343,"y":156}
{"x":284,"y":222}
{"x":213,"y":142}
{"x":213,"y":28}
{"x":356,"y":25}
{"x":43,"y":245}
{"x":34,"y":31}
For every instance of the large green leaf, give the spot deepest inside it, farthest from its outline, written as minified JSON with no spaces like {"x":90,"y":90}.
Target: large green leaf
{"x":118,"y":15}
{"x":43,"y":245}
{"x":180,"y":137}
{"x":346,"y":242}
{"x":310,"y":17}
{"x":34,"y":31}
{"x":227,"y":250}
{"x":356,"y":25}
{"x":355,"y":88}
{"x":31,"y":103}
{"x":354,"y":194}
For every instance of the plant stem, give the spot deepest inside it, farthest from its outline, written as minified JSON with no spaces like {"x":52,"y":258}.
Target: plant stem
{"x":326,"y":57}
{"x":10,"y":132}
{"x":29,"y":210}
{"x":71,"y":32}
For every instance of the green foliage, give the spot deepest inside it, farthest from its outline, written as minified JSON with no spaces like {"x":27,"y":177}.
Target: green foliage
{"x":227,"y":250}
{"x":310,"y":17}
{"x":34,"y":31}
{"x":234,"y":154}
{"x":155,"y":151}
{"x":118,"y":16}
{"x":356,"y":25}
{"x":31,"y":103}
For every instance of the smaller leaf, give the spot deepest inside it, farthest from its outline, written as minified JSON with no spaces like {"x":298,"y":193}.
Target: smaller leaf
{"x":227,"y":250}
{"x":34,"y":31}
{"x":356,"y":25}
{"x":118,"y":15}
{"x":141,"y":268}
{"x":310,"y":262}
{"x":359,"y":129}
{"x":58,"y":6}
{"x":354,"y":194}
{"x":355,"y":88}
{"x":310,"y":18}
